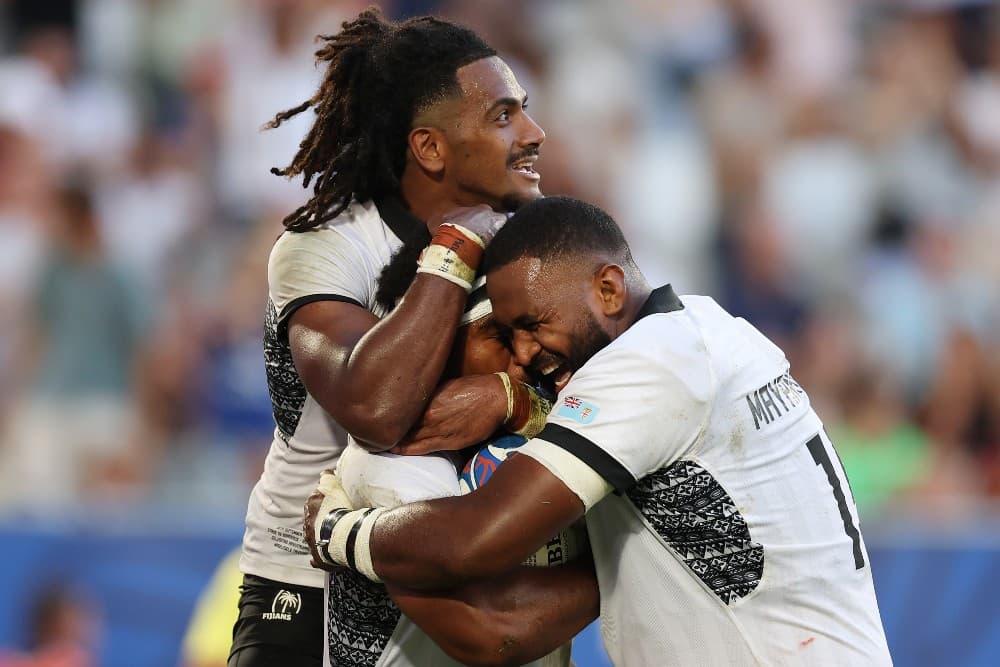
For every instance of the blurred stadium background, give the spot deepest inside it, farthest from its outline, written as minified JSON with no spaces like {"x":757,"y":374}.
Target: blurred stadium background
{"x":829,"y":169}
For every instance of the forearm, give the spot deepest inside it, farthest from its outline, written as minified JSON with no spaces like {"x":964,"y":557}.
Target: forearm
{"x":441,"y":543}
{"x":394,"y":368}
{"x":511,"y":620}
{"x":375,"y":376}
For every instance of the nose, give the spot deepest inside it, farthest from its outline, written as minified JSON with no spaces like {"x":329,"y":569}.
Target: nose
{"x":516,"y":371}
{"x":525,"y":348}
{"x":533,"y":134}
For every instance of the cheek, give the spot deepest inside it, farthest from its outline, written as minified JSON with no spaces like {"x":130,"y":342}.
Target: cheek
{"x":552,"y":341}
{"x":485,"y":154}
{"x":487,"y":358}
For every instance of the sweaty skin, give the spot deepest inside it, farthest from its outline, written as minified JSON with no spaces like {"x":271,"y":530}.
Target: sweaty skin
{"x":523,"y":615}
{"x":376,"y":377}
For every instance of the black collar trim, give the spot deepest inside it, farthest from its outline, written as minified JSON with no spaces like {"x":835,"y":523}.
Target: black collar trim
{"x":399,"y":219}
{"x":661,"y":300}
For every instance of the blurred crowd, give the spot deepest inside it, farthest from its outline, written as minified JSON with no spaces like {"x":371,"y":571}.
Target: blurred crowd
{"x":828,"y":169}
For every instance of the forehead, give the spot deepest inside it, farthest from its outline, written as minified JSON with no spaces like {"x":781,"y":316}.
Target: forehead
{"x":487,"y":80}
{"x":518,"y":288}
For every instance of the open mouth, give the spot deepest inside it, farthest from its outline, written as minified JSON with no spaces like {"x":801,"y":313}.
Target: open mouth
{"x":526,"y":167}
{"x":557,"y":374}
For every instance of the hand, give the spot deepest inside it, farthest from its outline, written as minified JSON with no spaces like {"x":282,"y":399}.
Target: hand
{"x":481,"y":219}
{"x":462,"y":412}
{"x":328,"y":496}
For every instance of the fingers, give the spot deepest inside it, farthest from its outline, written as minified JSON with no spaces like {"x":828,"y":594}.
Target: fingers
{"x":414,"y":448}
{"x":328,"y":496}
{"x":482,"y":220}
{"x":418,"y":446}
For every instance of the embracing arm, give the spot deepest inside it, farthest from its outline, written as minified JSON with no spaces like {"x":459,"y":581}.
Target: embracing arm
{"x":428,"y":545}
{"x":511,"y":620}
{"x":375,"y":376}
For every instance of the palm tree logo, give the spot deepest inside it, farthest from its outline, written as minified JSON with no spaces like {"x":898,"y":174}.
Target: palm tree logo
{"x":286,"y":600}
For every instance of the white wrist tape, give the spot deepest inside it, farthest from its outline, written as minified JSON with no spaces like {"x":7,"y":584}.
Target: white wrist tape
{"x":461,"y":282}
{"x":349,"y":541}
{"x":362,"y":546}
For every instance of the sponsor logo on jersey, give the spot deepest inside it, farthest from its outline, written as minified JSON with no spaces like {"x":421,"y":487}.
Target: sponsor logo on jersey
{"x":289,"y":603}
{"x":578,"y":410}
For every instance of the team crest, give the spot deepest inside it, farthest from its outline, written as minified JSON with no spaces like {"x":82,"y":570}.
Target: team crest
{"x":285,"y":604}
{"x":578,"y":410}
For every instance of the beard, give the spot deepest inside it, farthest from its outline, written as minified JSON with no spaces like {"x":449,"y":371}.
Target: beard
{"x":512,"y":201}
{"x":590,"y":339}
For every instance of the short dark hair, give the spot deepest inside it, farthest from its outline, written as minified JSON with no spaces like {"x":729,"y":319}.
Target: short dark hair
{"x":379,"y":76}
{"x":555,"y":228}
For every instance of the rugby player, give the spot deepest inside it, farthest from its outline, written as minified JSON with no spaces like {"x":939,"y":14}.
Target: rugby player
{"x":510,"y":620}
{"x":722,"y":525}
{"x":412,"y":120}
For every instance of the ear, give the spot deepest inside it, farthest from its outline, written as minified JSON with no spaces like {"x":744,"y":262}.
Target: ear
{"x":609,"y":286}
{"x":429,"y":148}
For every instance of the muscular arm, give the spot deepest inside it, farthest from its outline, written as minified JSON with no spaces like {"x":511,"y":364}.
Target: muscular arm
{"x":511,"y":620}
{"x":428,"y":545}
{"x":375,"y":376}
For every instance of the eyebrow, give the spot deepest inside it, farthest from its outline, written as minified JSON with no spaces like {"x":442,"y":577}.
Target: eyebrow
{"x":507,"y":102}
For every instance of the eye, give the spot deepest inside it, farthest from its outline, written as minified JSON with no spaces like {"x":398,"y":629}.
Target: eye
{"x":504,"y":116}
{"x":504,"y":341}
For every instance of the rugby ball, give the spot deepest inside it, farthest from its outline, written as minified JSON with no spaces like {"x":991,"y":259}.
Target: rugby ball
{"x":563,"y":547}
{"x":483,"y":463}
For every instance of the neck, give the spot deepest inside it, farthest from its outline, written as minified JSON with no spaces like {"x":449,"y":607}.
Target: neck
{"x":426,"y":198}
{"x":638,"y":292}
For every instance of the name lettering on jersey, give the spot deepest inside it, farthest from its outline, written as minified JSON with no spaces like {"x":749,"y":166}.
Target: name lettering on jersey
{"x":774,"y":400}
{"x":578,"y":410}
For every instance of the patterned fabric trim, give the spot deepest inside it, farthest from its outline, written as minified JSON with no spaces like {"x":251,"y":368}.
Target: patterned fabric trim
{"x":360,"y":620}
{"x":691,"y":511}
{"x":288,"y":394}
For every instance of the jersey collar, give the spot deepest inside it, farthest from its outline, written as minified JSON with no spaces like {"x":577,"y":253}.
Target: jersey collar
{"x":398,"y":218}
{"x":661,"y":300}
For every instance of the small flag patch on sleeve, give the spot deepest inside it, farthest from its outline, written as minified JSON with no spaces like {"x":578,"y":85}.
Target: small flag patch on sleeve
{"x":578,"y":410}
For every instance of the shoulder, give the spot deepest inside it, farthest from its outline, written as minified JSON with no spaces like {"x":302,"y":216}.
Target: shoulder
{"x":357,"y":232}
{"x":662,"y":355}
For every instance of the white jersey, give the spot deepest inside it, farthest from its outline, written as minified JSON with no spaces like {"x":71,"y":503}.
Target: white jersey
{"x":364,"y":627}
{"x":339,"y":261}
{"x":732,"y":536}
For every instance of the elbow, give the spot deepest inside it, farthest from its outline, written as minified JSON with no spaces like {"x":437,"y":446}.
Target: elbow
{"x":493,"y":641}
{"x":375,"y":430}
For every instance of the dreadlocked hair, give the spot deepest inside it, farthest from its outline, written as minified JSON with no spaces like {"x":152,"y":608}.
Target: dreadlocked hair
{"x":379,"y":76}
{"x":397,"y":275}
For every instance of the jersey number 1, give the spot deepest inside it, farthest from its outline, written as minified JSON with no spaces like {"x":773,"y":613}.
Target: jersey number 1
{"x":822,"y":458}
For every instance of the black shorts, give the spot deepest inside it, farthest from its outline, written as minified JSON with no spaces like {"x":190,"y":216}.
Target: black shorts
{"x":279,"y":624}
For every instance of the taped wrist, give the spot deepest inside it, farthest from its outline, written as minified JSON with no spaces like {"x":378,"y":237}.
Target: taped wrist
{"x":345,"y":539}
{"x":526,"y":409}
{"x":453,"y":254}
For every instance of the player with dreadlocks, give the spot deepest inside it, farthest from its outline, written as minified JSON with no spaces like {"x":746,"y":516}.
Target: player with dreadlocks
{"x":414,"y":121}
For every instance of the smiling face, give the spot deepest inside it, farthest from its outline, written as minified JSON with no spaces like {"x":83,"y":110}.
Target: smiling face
{"x":492,"y":141}
{"x":553,"y":314}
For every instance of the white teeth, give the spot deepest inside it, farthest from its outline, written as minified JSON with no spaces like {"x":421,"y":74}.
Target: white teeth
{"x":550,"y":369}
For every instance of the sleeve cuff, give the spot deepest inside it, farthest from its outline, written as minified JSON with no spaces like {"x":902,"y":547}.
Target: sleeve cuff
{"x":297,"y":303}
{"x":597,"y":458}
{"x":580,"y":478}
